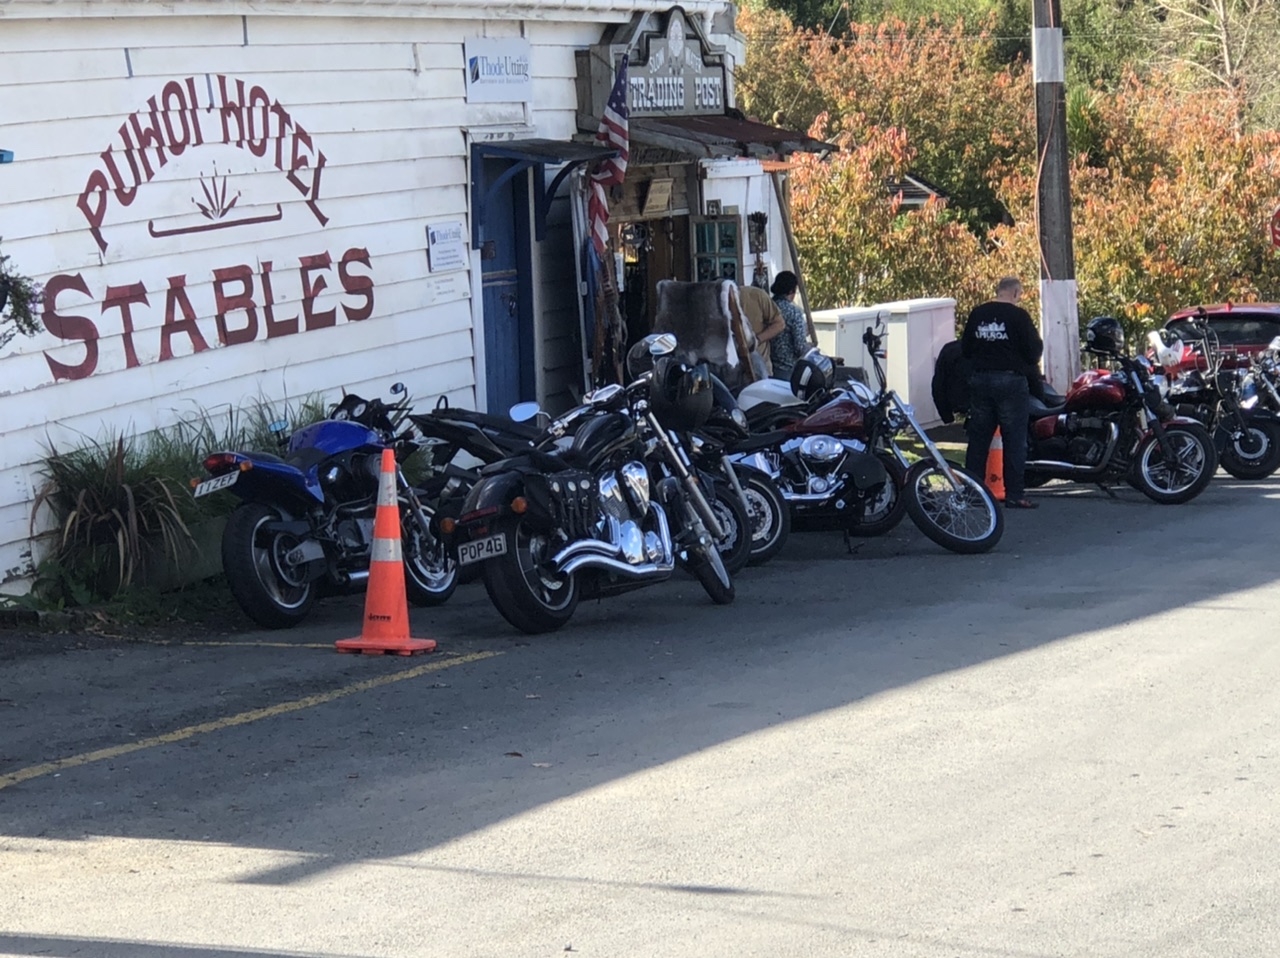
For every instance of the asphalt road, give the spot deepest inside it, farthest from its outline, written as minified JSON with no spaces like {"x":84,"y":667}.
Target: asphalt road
{"x":1068,"y":747}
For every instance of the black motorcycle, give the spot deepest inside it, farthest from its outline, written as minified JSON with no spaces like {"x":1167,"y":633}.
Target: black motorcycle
{"x":604,"y":502}
{"x":1198,"y":386}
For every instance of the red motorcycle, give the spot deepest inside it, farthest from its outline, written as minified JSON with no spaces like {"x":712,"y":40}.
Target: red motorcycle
{"x":835,"y":460}
{"x":1114,"y":425}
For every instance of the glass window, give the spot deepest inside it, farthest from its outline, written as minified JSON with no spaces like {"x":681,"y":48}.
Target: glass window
{"x":717,"y":245}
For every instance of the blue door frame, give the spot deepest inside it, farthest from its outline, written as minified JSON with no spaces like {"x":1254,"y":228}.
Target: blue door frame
{"x":506,"y":269}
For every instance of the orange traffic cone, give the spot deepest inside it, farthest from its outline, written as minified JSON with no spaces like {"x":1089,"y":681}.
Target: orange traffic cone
{"x":386,"y":608}
{"x":995,"y":467}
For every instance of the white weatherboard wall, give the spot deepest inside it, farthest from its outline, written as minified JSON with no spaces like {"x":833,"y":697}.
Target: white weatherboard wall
{"x":745,"y":184}
{"x":257,"y":230}
{"x":915,"y":332}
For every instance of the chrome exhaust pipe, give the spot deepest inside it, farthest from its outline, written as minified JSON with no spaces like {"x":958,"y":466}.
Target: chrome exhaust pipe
{"x":643,"y":570}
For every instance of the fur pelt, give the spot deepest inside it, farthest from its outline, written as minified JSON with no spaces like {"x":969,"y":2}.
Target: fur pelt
{"x":700,"y":316}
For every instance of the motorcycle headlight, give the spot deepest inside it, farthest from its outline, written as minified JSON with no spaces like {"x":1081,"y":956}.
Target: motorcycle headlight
{"x":739,"y":418}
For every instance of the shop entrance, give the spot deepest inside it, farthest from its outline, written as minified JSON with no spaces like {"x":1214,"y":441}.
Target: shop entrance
{"x":652,"y":250}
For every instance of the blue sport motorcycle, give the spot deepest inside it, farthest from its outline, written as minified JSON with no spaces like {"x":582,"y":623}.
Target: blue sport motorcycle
{"x":305,"y":527}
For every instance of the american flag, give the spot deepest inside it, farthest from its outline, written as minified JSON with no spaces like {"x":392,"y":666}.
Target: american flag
{"x":614,"y":132}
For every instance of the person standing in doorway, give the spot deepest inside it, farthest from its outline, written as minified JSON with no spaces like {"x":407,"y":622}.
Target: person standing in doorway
{"x":1002,"y":343}
{"x":766,"y":322}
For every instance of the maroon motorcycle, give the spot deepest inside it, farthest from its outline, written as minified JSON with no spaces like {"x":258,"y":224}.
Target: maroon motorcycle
{"x":835,"y":459}
{"x":1115,"y":426}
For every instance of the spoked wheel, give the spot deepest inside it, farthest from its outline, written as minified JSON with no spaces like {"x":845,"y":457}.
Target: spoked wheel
{"x":768,"y":514}
{"x":964,"y":519}
{"x":890,"y":505}
{"x":735,"y":547}
{"x":430,"y":575}
{"x":1255,"y":453}
{"x":272,"y":592}
{"x":523,"y":588}
{"x":1181,"y":478}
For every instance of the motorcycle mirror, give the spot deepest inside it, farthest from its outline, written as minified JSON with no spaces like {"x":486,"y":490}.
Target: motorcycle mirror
{"x":1274,"y":345}
{"x":524,"y":411}
{"x":664,"y":344}
{"x":397,"y":389}
{"x":279,"y":426}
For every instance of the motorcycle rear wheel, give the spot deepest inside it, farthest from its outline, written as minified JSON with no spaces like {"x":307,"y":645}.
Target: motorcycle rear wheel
{"x":1172,"y":485}
{"x":769,"y":514}
{"x":890,"y":506}
{"x":274,"y":596}
{"x":522,"y":589}
{"x":1258,"y":455}
{"x":966,"y":520}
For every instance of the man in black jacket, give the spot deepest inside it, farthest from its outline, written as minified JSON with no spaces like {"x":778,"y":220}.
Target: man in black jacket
{"x":1004,"y":346}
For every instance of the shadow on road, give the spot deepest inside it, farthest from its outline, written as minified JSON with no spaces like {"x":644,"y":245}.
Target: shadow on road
{"x":636,"y":682}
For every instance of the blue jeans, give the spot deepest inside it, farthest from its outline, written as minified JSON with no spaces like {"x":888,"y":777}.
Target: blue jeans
{"x":998,"y":398}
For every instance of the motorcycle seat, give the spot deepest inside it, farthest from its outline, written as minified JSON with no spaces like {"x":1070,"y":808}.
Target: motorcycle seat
{"x":492,"y":424}
{"x":761,"y":441}
{"x":1040,"y":411}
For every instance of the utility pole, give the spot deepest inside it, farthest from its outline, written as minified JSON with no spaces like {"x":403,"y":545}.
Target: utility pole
{"x":1059,"y":316}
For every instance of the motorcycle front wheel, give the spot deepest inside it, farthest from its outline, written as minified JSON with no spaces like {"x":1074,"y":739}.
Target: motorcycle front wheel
{"x":430,"y":575}
{"x":1256,"y":454}
{"x":735,"y":547}
{"x":272,"y":593}
{"x":965,"y":520}
{"x":522,"y":587}
{"x":705,"y":564}
{"x":1195,"y":460}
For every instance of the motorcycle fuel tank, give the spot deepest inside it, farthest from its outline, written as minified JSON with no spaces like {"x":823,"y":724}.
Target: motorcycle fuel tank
{"x":332,"y":436}
{"x":842,"y":416}
{"x":601,"y":435}
{"x":1094,"y":388}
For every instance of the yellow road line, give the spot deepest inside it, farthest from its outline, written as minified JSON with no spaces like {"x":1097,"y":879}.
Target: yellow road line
{"x":243,"y":718}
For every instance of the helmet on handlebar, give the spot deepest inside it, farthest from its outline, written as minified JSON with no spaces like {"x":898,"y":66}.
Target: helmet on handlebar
{"x":1104,"y":336}
{"x":813,"y":375}
{"x":681,"y":397}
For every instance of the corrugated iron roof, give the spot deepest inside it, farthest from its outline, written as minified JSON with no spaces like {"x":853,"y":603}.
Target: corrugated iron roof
{"x":722,"y":135}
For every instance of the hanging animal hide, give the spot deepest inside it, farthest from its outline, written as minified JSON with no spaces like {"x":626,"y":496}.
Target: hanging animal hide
{"x":702,"y":318}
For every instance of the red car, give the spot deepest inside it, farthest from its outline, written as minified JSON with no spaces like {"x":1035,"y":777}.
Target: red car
{"x":1241,"y":327}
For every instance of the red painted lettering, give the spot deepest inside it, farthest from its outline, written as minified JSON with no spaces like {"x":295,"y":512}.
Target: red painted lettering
{"x":174,"y":101}
{"x":195,"y":111}
{"x":124,"y":298}
{"x":283,"y":124}
{"x":226,"y":303}
{"x":232,"y":110}
{"x":150,"y":137}
{"x":259,"y":121}
{"x":313,"y":318}
{"x":71,"y":328}
{"x":93,"y":204}
{"x":356,"y":285}
{"x":299,"y":161}
{"x":275,"y":327}
{"x":125,"y":194}
{"x":175,"y":301}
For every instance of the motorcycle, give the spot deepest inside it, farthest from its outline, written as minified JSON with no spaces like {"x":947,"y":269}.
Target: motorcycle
{"x":1247,"y":437}
{"x":748,"y":503}
{"x":603,"y":503}
{"x":305,"y":526}
{"x":835,"y":457}
{"x":1115,"y":425}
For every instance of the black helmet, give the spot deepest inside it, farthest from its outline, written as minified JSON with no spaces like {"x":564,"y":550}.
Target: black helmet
{"x":681,"y":397}
{"x":1105,"y":336}
{"x":639,"y":359}
{"x":813,"y":375}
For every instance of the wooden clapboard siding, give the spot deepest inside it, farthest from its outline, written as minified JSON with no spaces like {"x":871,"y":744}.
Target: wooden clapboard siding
{"x":385,"y":103}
